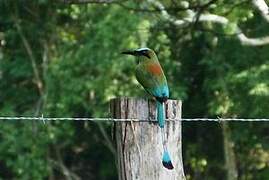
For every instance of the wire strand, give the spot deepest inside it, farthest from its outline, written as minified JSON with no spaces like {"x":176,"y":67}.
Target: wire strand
{"x":44,"y":119}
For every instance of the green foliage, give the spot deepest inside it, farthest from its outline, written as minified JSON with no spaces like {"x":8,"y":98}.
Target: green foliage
{"x":73,"y":67}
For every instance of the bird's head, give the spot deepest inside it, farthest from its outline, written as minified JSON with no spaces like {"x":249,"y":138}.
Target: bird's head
{"x":142,"y":53}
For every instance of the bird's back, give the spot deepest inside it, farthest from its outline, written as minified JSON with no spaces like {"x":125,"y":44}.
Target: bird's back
{"x":150,"y":75}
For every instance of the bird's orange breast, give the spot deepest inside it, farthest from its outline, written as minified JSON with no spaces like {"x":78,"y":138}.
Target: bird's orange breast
{"x":154,"y":68}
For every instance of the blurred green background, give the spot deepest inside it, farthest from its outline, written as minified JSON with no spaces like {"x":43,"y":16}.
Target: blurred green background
{"x":63,"y":60}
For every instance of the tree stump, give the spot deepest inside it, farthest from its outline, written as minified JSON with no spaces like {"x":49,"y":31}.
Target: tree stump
{"x":139,"y":144}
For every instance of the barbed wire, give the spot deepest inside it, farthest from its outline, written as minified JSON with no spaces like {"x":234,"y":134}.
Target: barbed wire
{"x":44,"y":119}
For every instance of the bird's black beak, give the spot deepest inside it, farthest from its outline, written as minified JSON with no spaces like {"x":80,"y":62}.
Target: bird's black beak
{"x":129,"y":52}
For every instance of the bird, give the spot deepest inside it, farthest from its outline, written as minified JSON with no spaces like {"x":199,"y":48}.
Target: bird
{"x":150,"y":75}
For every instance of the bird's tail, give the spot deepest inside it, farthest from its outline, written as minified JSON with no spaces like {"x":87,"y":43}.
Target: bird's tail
{"x":166,"y":160}
{"x":160,"y":114}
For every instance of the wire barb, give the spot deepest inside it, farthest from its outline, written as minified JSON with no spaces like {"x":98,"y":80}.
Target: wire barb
{"x":43,"y":120}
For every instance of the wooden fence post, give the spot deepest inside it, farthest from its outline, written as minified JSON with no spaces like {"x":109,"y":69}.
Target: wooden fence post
{"x":139,"y":145}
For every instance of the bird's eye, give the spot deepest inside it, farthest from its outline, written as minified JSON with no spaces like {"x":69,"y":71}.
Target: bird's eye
{"x":144,"y":52}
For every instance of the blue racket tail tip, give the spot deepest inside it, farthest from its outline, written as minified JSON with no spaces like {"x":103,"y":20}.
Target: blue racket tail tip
{"x":167,"y":163}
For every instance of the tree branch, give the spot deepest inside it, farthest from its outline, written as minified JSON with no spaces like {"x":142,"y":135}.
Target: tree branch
{"x":240,"y":35}
{"x":108,"y":142}
{"x":196,"y":16}
{"x":69,"y":175}
{"x":262,"y":8}
{"x":89,"y":1}
{"x":190,"y":18}
{"x":200,"y":11}
{"x":165,"y":15}
{"x":30,"y":53}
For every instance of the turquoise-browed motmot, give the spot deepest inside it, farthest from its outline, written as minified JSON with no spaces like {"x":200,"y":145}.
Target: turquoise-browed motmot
{"x":150,"y":75}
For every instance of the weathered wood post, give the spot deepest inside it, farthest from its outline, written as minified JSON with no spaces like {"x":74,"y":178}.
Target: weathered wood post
{"x":139,"y":145}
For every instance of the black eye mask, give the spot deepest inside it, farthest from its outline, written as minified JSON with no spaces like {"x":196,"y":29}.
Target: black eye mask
{"x":145,"y":53}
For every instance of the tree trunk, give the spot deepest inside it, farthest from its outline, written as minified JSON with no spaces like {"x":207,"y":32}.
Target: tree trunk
{"x":229,"y":155}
